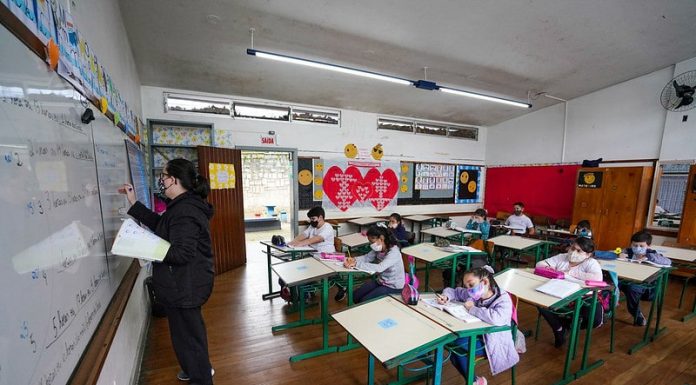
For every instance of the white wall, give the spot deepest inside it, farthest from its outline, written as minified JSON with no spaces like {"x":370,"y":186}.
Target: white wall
{"x":328,"y":141}
{"x":622,"y":122}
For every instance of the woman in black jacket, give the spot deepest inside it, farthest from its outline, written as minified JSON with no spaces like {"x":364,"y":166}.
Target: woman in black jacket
{"x":184,"y":280}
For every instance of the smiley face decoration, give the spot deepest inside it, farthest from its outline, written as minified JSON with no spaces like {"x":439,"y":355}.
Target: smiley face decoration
{"x":377,"y":151}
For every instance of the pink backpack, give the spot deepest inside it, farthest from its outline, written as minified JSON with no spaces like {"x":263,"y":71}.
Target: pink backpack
{"x":410,"y":292}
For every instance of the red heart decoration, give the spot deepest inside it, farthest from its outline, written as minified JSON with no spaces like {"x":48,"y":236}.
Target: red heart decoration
{"x":385,"y":186}
{"x":338,"y":186}
{"x":362,"y":190}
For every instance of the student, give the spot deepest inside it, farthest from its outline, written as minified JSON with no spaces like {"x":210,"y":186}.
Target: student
{"x":184,"y":280}
{"x":485,"y":300}
{"x":583,"y":229}
{"x":579,"y":264}
{"x":479,"y":222}
{"x":640,"y":251}
{"x":520,"y":223}
{"x":385,"y":260}
{"x":319,"y":234}
{"x":397,"y":228}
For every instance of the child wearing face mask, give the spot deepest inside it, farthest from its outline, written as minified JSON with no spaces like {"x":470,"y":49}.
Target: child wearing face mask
{"x":319,"y":234}
{"x":579,"y":264}
{"x":397,"y":228}
{"x":384,"y":259}
{"x":478,"y":222}
{"x":583,"y":229}
{"x":485,"y":300}
{"x":640,"y":251}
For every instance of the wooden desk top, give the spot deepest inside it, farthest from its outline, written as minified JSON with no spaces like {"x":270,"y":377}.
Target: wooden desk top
{"x":354,"y":239}
{"x":427,"y":252}
{"x":677,"y":253}
{"x":440,"y":232}
{"x":387,"y":328}
{"x":419,"y":218}
{"x":366,"y":221}
{"x":445,"y":319}
{"x":523,"y":284}
{"x":302,"y":270}
{"x":514,"y":242}
{"x":287,"y":249}
{"x":338,"y":267}
{"x":630,"y":270}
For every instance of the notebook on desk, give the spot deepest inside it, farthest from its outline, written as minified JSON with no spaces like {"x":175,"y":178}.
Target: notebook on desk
{"x":456,"y":309}
{"x":559,"y":288}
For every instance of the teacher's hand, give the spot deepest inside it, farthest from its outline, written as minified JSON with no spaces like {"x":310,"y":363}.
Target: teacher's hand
{"x":130,"y":193}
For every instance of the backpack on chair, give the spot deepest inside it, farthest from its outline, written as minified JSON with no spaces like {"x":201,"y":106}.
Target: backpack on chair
{"x":410,"y":293}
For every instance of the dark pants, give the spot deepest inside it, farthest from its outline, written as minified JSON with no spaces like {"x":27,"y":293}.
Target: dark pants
{"x":556,"y":321}
{"x":461,"y":362}
{"x":372,"y":289}
{"x":634,"y":294}
{"x":190,"y":342}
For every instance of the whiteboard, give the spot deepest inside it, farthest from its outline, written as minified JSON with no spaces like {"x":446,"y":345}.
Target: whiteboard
{"x":55,"y":281}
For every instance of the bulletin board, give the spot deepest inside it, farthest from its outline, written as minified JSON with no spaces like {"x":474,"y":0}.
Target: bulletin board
{"x":307,"y":180}
{"x":439,"y":183}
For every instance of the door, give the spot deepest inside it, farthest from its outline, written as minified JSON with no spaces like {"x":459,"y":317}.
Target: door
{"x":687,"y":230}
{"x":588,"y":201}
{"x":227,"y":225}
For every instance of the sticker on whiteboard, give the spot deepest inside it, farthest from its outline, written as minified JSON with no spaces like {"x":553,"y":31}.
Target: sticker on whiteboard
{"x":387,"y":323}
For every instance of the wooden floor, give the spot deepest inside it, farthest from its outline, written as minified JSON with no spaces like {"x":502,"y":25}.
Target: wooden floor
{"x":244,"y":351}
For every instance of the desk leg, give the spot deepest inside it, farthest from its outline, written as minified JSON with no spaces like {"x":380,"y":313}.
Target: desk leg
{"x":537,"y":253}
{"x":270,"y":293}
{"x":300,"y":322}
{"x":427,"y":275}
{"x":325,"y":349}
{"x":653,"y":307}
{"x":692,"y":314}
{"x":370,"y":369}
{"x":660,"y":298}
{"x":453,"y":276}
{"x":472,"y":359}
{"x":349,"y":340}
{"x":437,"y":376}
{"x":567,"y":377}
{"x":584,"y":369}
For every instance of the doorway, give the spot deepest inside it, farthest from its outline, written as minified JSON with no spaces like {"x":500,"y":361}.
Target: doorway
{"x":269,"y":193}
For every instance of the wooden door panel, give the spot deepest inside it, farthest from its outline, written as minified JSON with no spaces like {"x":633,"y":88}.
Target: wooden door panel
{"x":227,"y":225}
{"x":588,"y":205}
{"x":620,"y":203}
{"x":687,"y":229}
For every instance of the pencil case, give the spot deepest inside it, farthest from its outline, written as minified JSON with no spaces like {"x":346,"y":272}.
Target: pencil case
{"x":548,"y":272}
{"x":333,"y":256}
{"x":592,"y":283}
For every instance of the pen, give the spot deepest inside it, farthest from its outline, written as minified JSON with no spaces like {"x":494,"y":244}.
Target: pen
{"x":547,"y":262}
{"x":437,"y":295}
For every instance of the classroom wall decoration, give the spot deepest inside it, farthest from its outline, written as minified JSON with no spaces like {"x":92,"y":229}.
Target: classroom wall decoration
{"x":349,"y":184}
{"x":468,"y":182}
{"x":305,"y":184}
{"x":590,"y":179}
{"x":406,"y":180}
{"x":317,"y":179}
{"x":222,"y":176}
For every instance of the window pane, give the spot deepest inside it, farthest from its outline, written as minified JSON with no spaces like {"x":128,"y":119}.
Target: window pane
{"x":431,"y":129}
{"x":671,"y":190}
{"x":315,"y":116}
{"x":463,"y":132}
{"x":395,"y":125}
{"x":203,"y":106}
{"x":260,"y":111}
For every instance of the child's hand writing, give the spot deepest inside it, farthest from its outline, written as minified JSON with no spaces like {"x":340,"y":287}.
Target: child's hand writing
{"x":442,"y":299}
{"x":468,"y":305}
{"x":349,"y":262}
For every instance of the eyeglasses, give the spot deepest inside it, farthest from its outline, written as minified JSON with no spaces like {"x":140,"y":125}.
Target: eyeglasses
{"x":163,"y":175}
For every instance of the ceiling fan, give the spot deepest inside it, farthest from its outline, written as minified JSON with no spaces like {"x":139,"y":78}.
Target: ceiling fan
{"x":678,"y":94}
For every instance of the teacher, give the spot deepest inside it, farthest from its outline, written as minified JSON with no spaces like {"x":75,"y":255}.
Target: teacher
{"x":184,"y":280}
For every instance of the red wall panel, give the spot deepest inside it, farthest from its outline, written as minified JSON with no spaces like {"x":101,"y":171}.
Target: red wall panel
{"x":545,"y":190}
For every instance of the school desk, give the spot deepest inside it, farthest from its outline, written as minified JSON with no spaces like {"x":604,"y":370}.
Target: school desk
{"x":518,"y":244}
{"x":646,"y":275}
{"x":441,"y":232}
{"x":394,"y":333}
{"x":460,"y":328}
{"x":681,"y":257}
{"x":420,"y":219}
{"x":365,"y":221}
{"x":284,"y":253}
{"x":523,"y":284}
{"x":354,"y":240}
{"x":300,"y":272}
{"x":439,"y":257}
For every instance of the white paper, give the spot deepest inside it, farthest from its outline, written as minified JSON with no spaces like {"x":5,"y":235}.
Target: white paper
{"x":559,"y":288}
{"x":456,"y":309}
{"x":137,"y":242}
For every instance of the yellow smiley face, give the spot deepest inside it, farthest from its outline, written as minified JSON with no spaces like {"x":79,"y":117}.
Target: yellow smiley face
{"x":377,"y":152}
{"x":318,"y":181}
{"x":404,"y":168}
{"x":350,"y":150}
{"x":589,"y":178}
{"x":318,"y":195}
{"x":319,"y":167}
{"x":404,"y":179}
{"x":464,"y":177}
{"x":304,"y":177}
{"x":471,"y":186}
{"x":404,"y":188}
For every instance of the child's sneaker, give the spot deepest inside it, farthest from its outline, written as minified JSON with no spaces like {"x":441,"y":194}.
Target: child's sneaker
{"x":182,"y":376}
{"x":559,"y":337}
{"x":480,"y":381}
{"x":341,"y":295}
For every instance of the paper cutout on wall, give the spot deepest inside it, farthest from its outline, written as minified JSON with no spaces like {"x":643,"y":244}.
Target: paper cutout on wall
{"x":377,"y":151}
{"x":347,"y":186}
{"x":468,"y":189}
{"x":222,"y":176}
{"x":350,"y":150}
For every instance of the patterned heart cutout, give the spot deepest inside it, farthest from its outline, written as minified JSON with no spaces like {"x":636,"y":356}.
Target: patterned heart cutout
{"x":385,"y":186}
{"x":338,"y":186}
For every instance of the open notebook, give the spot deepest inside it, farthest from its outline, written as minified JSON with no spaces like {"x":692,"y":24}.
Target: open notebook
{"x":454,"y":308}
{"x":559,"y":288}
{"x":137,"y":242}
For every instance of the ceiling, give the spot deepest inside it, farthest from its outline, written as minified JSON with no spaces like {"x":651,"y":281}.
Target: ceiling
{"x":504,"y":47}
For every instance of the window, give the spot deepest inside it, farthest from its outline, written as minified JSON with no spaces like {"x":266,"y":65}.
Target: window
{"x":668,"y":198}
{"x":428,"y":128}
{"x":314,"y":116}
{"x":196,"y":105}
{"x":260,"y":111}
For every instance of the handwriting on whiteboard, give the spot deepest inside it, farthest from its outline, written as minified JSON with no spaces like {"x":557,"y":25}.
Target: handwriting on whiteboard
{"x":35,"y":106}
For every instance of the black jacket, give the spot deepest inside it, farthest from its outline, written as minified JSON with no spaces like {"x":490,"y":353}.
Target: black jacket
{"x":185,"y":278}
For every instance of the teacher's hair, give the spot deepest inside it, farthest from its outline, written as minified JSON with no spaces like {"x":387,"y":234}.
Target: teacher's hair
{"x":185,"y":171}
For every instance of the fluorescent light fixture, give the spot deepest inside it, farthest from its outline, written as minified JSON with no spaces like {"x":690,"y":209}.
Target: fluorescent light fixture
{"x":484,"y":97}
{"x":422,"y":84}
{"x":326,"y":66}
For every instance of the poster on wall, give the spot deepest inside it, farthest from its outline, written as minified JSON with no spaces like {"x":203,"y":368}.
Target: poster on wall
{"x":590,"y":179}
{"x":353,"y":184}
{"x":468,"y":188}
{"x":222,"y":176}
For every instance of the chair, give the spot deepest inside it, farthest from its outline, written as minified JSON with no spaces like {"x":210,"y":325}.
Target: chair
{"x":502,"y":215}
{"x":683,"y":272}
{"x":541,"y":220}
{"x":563,"y":223}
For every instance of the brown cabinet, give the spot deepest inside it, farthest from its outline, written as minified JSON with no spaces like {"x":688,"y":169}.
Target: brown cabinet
{"x":687,"y":230}
{"x":615,"y":200}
